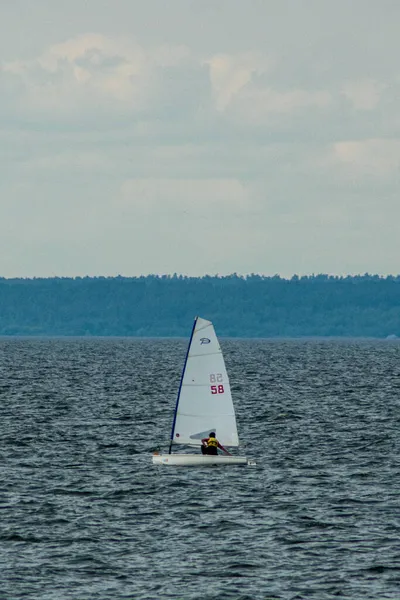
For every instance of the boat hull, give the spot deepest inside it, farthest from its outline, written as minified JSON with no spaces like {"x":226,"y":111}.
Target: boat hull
{"x":201,"y":460}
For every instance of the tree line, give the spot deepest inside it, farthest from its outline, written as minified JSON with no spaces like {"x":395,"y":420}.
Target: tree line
{"x":164,"y":306}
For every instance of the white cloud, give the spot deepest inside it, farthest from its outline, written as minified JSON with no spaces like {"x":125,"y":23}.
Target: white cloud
{"x":230,"y":74}
{"x":363,"y":94}
{"x":374,"y":158}
{"x":244,"y":84}
{"x":89,"y":72}
{"x":272,"y":126}
{"x":114,"y":77}
{"x":92,"y":73}
{"x":260,"y":106}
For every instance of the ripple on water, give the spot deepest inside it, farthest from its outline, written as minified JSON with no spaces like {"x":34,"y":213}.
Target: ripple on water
{"x":84,"y":514}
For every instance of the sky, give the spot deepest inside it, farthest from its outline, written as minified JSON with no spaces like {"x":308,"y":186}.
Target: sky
{"x":199,"y":136}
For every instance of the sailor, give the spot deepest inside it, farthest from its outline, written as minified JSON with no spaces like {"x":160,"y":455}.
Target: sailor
{"x":210,"y":445}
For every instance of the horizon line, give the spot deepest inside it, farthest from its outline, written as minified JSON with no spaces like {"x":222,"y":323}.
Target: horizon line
{"x":174,"y":275}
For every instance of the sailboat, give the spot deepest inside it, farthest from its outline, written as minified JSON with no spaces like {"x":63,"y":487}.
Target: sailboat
{"x":204,"y":404}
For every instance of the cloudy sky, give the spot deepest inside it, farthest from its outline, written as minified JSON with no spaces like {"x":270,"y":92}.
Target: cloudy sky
{"x":199,"y":136}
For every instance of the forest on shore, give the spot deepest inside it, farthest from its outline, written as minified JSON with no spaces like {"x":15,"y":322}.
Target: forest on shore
{"x":164,"y":306}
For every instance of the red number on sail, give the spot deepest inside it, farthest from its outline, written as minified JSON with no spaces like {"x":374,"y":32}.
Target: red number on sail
{"x":217,"y":389}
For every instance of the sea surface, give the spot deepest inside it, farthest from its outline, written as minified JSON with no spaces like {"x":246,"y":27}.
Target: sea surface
{"x":84,"y":515}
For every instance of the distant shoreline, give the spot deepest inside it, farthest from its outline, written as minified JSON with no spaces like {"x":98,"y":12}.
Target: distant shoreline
{"x":241,"y":307}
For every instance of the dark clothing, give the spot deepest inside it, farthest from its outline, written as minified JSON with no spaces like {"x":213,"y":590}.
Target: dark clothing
{"x":210,"y":445}
{"x":210,"y":450}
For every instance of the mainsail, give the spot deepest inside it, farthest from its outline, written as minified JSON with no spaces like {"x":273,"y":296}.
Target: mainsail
{"x":204,"y":402}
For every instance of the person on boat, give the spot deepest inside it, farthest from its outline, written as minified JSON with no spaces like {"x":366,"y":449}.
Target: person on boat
{"x":210,"y":445}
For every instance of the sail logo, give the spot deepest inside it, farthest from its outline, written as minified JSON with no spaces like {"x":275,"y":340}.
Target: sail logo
{"x":204,"y":341}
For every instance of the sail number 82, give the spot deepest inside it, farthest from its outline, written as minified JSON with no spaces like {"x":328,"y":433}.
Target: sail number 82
{"x":216,"y":378}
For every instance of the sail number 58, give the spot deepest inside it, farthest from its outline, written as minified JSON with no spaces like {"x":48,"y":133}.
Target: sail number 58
{"x":216,"y":378}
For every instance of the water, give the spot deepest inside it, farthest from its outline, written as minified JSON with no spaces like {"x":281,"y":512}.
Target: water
{"x":84,"y":515}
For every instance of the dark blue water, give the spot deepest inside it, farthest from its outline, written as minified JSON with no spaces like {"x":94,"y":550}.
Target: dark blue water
{"x":84,"y":514}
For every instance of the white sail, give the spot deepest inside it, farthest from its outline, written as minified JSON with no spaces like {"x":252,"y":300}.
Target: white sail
{"x":204,"y":401}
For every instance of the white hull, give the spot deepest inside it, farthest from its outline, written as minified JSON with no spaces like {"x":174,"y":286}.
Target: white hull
{"x":194,"y":460}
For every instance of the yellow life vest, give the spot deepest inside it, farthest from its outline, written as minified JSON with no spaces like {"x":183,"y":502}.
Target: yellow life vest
{"x":212,"y":442}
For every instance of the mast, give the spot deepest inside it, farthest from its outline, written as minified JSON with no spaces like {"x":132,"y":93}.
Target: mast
{"x":180,"y":386}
